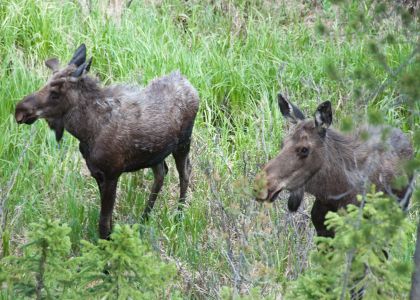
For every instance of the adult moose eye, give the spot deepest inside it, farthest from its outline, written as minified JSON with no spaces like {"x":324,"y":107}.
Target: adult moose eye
{"x":303,"y":152}
{"x":54,"y":95}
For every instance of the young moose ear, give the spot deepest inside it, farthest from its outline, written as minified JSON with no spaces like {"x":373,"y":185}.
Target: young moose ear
{"x":288,"y":110}
{"x":53,"y":64}
{"x":323,"y":116}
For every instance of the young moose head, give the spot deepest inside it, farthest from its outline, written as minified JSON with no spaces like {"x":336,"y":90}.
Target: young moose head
{"x":52,"y":102}
{"x":301,"y":155}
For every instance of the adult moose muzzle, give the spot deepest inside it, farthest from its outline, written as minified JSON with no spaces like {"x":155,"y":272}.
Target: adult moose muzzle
{"x":332,"y":166}
{"x":121,"y":128}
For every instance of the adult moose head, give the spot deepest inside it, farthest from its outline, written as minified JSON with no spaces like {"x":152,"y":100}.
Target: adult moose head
{"x":121,"y":128}
{"x":49,"y":102}
{"x":332,"y":166}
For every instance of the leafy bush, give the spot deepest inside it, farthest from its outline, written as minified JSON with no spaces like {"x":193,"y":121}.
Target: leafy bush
{"x":42,"y":268}
{"x":238,"y":54}
{"x":361,"y":256}
{"x":121,"y":268}
{"x":228,"y":293}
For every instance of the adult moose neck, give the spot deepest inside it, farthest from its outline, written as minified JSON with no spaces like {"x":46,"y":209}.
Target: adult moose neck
{"x":89,"y":110}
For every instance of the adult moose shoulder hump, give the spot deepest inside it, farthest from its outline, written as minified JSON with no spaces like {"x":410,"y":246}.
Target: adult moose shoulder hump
{"x":331,"y":165}
{"x":121,"y":128}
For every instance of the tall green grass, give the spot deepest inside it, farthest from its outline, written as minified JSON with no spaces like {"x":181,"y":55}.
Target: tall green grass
{"x":238,"y":54}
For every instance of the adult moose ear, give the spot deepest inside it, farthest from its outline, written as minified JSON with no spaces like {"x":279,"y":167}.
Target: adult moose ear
{"x":288,"y":110}
{"x":79,"y":57}
{"x":323,"y":116}
{"x":53,"y":64}
{"x":83,"y":68}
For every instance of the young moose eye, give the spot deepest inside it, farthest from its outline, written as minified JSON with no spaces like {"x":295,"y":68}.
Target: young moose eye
{"x":303,"y":152}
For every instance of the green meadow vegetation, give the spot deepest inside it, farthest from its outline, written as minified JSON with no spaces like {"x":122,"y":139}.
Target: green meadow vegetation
{"x":363,"y":56}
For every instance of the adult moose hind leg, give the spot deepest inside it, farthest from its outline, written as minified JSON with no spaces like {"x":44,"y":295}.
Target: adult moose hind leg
{"x":108,"y":190}
{"x":183,"y":165}
{"x":159,"y":172}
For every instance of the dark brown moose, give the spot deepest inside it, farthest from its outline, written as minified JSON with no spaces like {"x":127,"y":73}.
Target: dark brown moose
{"x":332,"y":166}
{"x":121,"y":128}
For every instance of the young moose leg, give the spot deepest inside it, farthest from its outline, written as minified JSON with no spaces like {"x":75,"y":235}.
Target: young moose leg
{"x":183,"y":165}
{"x":318,"y":213}
{"x":108,"y":190}
{"x":403,"y":195}
{"x":159,"y":172}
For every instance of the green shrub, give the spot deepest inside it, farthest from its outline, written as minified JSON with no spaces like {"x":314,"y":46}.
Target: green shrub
{"x":357,"y":256}
{"x":41,"y":270}
{"x":121,"y":268}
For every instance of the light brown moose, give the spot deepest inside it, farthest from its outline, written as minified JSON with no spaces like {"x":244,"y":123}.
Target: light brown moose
{"x":121,"y":128}
{"x":332,"y":166}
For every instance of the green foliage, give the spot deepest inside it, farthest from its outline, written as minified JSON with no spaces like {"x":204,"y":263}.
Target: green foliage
{"x":121,"y":268}
{"x":41,"y":271}
{"x":375,"y":117}
{"x":380,"y":29}
{"x":346,"y":124}
{"x":238,"y":54}
{"x":228,"y":293}
{"x":356,"y":257}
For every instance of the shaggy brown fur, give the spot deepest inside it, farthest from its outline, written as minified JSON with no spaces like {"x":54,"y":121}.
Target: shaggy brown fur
{"x":332,"y":166}
{"x":120,"y":128}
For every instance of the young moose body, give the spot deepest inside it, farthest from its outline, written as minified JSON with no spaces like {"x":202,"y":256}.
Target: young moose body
{"x":120,"y":128}
{"x":332,"y":166}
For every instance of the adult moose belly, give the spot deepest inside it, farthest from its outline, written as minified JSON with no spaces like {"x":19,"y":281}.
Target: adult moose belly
{"x":146,"y":159}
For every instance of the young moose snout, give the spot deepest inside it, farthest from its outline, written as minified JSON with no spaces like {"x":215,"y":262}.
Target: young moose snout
{"x":121,"y":128}
{"x":266,"y":187}
{"x":331,"y":165}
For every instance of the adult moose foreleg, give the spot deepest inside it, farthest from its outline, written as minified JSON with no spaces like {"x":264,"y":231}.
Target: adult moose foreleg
{"x":108,"y":190}
{"x":159,"y":172}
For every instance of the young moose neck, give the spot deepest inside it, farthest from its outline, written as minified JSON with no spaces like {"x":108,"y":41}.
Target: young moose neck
{"x":334,"y":181}
{"x":89,"y":111}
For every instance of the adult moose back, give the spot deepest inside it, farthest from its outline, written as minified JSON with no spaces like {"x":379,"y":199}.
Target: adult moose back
{"x":332,"y":166}
{"x":121,"y":128}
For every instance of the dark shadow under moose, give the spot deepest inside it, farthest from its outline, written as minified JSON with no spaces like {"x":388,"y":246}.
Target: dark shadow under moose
{"x":121,"y":128}
{"x":333,"y":166}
